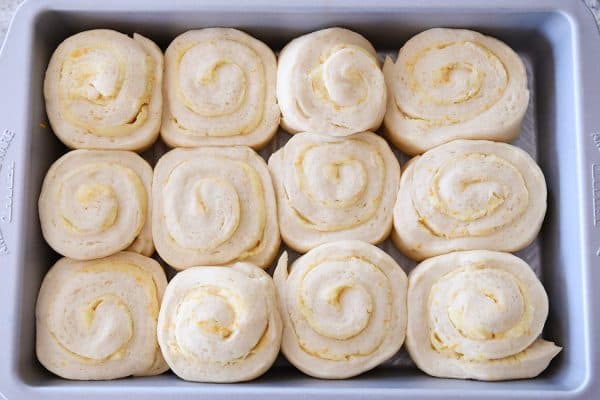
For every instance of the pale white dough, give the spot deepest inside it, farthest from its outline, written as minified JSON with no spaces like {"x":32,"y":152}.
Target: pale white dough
{"x":343,"y":306}
{"x":219,"y":90}
{"x":330,"y":82}
{"x":103,"y":91}
{"x":477,"y":315}
{"x":95,"y":203}
{"x":330,"y":188}
{"x":97,"y":319}
{"x":469,"y":195}
{"x":452,"y":84}
{"x":213,"y":206}
{"x":220,"y":323}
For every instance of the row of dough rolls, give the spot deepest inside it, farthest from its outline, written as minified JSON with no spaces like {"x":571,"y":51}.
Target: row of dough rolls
{"x":217,"y":205}
{"x":342,"y":309}
{"x":104,"y":90}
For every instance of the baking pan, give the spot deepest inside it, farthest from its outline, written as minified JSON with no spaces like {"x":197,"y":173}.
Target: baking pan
{"x":560,"y":44}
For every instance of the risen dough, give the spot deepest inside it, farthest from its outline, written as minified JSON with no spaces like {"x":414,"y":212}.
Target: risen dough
{"x":344,"y":309}
{"x":97,"y":319}
{"x":213,"y":206}
{"x":103,"y":91}
{"x":330,"y":82}
{"x":95,"y":203}
{"x":468,"y":195}
{"x":453,"y":84}
{"x":334,"y":188}
{"x":219,"y":90}
{"x":477,"y":315}
{"x":220,"y":324}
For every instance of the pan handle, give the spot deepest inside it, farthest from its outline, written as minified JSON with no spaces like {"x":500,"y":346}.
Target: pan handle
{"x":15,"y":88}
{"x":588,"y":99}
{"x":589,"y":72}
{"x":14,"y":125}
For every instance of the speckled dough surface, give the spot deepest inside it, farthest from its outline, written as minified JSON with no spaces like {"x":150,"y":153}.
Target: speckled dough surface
{"x":477,"y":315}
{"x":468,"y":195}
{"x":343,"y":306}
{"x":214,"y":206}
{"x":332,"y":188}
{"x":330,"y":82}
{"x":220,"y":324}
{"x":219,"y":90}
{"x":95,"y":203}
{"x":449,"y":84}
{"x":103,"y":90}
{"x":97,"y":319}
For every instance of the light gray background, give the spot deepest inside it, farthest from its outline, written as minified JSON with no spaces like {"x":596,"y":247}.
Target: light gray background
{"x":7,"y":8}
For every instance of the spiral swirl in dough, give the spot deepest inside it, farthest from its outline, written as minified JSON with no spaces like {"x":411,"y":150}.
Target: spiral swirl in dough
{"x":469,"y":195}
{"x":97,"y":319}
{"x":452,"y":84}
{"x":332,"y":188}
{"x":94,"y":203}
{"x":213,"y":206}
{"x":219,"y":90}
{"x":103,"y":91}
{"x":330,"y":82}
{"x":343,"y":307}
{"x":220,"y":324}
{"x":477,"y":315}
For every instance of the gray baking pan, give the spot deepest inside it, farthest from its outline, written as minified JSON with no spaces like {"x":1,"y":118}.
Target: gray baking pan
{"x":560,"y":44}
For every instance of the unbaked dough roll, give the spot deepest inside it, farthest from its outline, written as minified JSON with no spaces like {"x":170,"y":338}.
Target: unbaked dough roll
{"x":213,"y":206}
{"x":330,"y":82}
{"x":97,"y":319}
{"x":220,"y":324}
{"x":477,"y":315}
{"x":95,"y":203}
{"x":219,"y":90}
{"x":469,"y":195}
{"x":332,"y":188}
{"x":103,"y":91}
{"x":344,"y":309}
{"x":453,"y":84}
